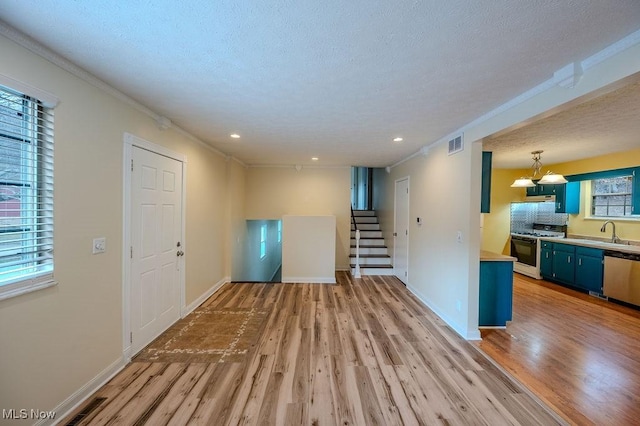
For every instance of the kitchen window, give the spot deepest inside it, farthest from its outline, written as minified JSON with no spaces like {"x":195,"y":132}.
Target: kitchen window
{"x":26,"y":194}
{"x":611,"y":197}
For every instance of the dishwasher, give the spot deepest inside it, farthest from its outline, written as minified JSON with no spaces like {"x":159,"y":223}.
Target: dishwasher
{"x":622,"y":276}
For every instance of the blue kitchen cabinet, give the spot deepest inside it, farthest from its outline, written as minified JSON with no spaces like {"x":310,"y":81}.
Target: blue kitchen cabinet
{"x":564,"y":257}
{"x":485,"y":197}
{"x":567,"y":197}
{"x":496,"y":293}
{"x":546,"y":259}
{"x":546,"y":189}
{"x":540,"y":189}
{"x":589,"y":269}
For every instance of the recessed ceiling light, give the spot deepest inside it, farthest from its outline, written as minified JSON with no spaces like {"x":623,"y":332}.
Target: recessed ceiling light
{"x":398,"y":139}
{"x":314,"y":158}
{"x":235,"y":136}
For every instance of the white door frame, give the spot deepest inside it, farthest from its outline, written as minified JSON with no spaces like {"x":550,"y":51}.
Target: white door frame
{"x":129,"y":142}
{"x":395,"y":225}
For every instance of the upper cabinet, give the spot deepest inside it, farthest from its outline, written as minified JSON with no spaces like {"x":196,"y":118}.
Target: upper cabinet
{"x":567,"y":195}
{"x":485,"y":197}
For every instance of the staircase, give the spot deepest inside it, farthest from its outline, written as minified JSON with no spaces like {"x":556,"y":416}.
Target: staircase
{"x":374,"y":258}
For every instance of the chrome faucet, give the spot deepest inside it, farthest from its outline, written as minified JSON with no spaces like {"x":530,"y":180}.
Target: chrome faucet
{"x":614,"y":237}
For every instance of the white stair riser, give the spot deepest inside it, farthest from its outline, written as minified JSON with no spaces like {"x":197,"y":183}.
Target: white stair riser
{"x":370,"y":250}
{"x":373,"y":271}
{"x":372,"y":260}
{"x":367,"y":227}
{"x":368,"y":242}
{"x":367,"y":234}
{"x":366,"y":219}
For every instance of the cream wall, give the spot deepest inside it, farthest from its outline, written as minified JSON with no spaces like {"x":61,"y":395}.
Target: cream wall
{"x":237,"y":229}
{"x":441,"y":270}
{"x":272,"y":192}
{"x":308,"y":247}
{"x":445,"y":274}
{"x":57,"y":340}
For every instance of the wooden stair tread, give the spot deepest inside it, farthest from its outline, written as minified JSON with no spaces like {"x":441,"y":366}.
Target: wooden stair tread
{"x":377,"y":256}
{"x":368,"y":246}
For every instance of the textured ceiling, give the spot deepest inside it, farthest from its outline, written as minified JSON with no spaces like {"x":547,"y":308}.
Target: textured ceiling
{"x":609,"y":123}
{"x":334,"y":79}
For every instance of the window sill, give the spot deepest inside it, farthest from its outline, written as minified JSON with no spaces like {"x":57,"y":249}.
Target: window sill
{"x":614,"y":219}
{"x":15,"y":291}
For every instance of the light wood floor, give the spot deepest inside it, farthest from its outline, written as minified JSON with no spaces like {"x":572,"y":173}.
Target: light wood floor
{"x":362,"y":352}
{"x":578,"y":353}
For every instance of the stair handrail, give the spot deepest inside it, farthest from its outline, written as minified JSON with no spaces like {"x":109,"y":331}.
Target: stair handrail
{"x":355,"y":225}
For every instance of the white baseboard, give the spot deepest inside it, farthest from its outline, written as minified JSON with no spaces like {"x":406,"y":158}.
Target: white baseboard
{"x":207,"y":294}
{"x":470,"y":335}
{"x":310,"y":280}
{"x":67,"y":406}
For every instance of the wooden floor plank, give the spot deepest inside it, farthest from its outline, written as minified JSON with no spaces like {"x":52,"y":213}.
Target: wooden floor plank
{"x":165,"y":410}
{"x":363,"y":351}
{"x":579,"y":354}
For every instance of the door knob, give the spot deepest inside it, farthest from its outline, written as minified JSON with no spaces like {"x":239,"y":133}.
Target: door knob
{"x":180,"y":253}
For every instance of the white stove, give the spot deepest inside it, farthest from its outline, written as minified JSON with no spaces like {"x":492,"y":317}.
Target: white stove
{"x":525,"y":247}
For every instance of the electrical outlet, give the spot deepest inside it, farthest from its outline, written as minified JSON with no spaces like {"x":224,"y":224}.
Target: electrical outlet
{"x":459,"y":237}
{"x":99,"y":245}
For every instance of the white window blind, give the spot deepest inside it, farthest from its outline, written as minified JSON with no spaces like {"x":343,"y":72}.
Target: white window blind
{"x":26,"y":193}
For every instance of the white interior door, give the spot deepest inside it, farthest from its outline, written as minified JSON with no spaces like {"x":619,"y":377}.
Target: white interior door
{"x":156,"y":248}
{"x":401,"y":231}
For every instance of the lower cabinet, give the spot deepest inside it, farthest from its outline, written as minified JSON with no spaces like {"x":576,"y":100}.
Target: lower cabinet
{"x":589,"y":269}
{"x":546,"y":259}
{"x":564,"y":258}
{"x":574,"y":266}
{"x":496,"y":293}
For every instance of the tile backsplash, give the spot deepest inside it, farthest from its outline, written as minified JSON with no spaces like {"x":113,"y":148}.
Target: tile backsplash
{"x":524,"y":215}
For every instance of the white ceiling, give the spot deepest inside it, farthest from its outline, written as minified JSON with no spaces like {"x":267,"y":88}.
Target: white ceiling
{"x":606,"y":124}
{"x":334,"y":79}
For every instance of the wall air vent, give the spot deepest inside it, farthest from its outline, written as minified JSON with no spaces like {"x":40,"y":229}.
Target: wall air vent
{"x":456,"y":144}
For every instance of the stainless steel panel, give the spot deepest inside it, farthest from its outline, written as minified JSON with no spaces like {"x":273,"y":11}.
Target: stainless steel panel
{"x":622,"y":279}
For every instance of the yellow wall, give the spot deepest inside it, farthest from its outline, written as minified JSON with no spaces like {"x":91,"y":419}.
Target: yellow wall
{"x":495,"y":229}
{"x":578,"y":225}
{"x":57,"y":340}
{"x":272,"y":192}
{"x":495,"y":236}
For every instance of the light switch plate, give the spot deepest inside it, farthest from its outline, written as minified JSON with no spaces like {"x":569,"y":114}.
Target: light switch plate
{"x":99,"y":245}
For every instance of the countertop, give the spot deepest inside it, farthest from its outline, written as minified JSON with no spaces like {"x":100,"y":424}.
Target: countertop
{"x":624,"y":248}
{"x":487,"y":256}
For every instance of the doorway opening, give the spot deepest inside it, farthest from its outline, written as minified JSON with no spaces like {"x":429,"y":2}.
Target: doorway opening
{"x":261,"y":252}
{"x":362,"y":188}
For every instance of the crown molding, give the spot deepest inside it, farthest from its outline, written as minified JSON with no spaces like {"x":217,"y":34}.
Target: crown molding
{"x":288,"y":166}
{"x":51,"y":56}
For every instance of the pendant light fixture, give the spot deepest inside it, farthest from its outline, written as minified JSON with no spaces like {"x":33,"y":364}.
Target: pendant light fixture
{"x":552,"y":178}
{"x":548,"y":178}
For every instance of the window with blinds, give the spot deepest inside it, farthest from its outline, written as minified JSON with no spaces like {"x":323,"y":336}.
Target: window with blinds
{"x":26,"y":192}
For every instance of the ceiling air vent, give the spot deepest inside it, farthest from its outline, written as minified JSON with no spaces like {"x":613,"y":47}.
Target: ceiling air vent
{"x":456,"y":144}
